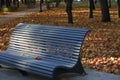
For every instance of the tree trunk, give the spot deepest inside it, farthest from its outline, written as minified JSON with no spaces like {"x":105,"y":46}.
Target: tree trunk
{"x":95,"y":1}
{"x":0,"y":3}
{"x":3,"y":2}
{"x":109,"y":3}
{"x":8,"y":3}
{"x":22,"y":1}
{"x":105,"y":11}
{"x":69,"y":10}
{"x":57,"y":2}
{"x":16,"y":3}
{"x":29,"y":3}
{"x":41,"y":2}
{"x":118,"y":2}
{"x":91,"y":7}
{"x":25,"y":2}
{"x":34,"y":2}
{"x":47,"y":5}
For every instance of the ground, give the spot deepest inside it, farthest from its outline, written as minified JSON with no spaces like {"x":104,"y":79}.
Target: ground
{"x":8,"y":74}
{"x":101,"y":48}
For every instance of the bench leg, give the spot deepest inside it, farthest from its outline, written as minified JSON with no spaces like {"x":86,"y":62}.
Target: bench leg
{"x":58,"y":72}
{"x":78,"y":68}
{"x":24,"y":73}
{"x":61,"y":72}
{"x":0,"y":66}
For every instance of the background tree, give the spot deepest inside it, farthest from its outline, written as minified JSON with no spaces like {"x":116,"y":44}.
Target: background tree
{"x":109,"y":1}
{"x":69,"y":10}
{"x":16,"y":3}
{"x":105,"y":11}
{"x":91,"y":7}
{"x":0,"y":3}
{"x":57,"y":2}
{"x":41,"y":2}
{"x":118,"y":2}
{"x":25,"y":2}
{"x":8,"y":4}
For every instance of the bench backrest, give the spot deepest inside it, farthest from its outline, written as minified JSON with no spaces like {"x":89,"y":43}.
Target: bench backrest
{"x":62,"y":44}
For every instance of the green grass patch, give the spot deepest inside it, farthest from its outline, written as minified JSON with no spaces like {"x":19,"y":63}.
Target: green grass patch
{"x":10,"y":9}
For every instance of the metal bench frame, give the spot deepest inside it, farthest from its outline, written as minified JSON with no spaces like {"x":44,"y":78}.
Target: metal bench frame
{"x":45,"y":50}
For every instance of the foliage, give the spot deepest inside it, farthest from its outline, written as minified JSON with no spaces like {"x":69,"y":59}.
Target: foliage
{"x":4,"y":9}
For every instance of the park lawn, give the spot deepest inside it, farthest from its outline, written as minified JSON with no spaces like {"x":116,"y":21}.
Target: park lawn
{"x":21,"y":8}
{"x":101,"y":48}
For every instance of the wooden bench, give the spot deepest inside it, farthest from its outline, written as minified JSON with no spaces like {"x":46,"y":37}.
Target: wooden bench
{"x":45,"y":50}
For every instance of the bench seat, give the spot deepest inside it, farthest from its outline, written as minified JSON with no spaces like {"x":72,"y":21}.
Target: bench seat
{"x":45,"y":50}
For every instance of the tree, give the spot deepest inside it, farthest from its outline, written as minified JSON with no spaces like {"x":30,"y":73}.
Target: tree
{"x":25,"y":2}
{"x":109,"y":1}
{"x":57,"y":2}
{"x":118,"y":2}
{"x":16,"y":3}
{"x":105,"y":11}
{"x":69,"y":10}
{"x":0,"y":3}
{"x":8,"y":4}
{"x":91,"y":7}
{"x":95,"y":1}
{"x":41,"y":2}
